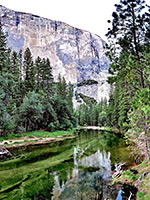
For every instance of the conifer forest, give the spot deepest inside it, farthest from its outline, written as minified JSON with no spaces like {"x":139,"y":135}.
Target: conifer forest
{"x":30,"y":99}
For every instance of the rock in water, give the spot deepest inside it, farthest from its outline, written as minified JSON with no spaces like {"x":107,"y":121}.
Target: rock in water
{"x":76,"y":54}
{"x":4,"y":153}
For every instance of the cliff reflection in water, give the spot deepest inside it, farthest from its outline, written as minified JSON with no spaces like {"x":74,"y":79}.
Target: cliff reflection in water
{"x":81,"y":182}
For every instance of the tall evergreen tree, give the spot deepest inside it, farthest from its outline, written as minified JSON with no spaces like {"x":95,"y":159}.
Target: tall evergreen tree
{"x":15,"y":67}
{"x":47,"y":77}
{"x":129,"y":29}
{"x":70,"y":96}
{"x":38,"y":72}
{"x":128,"y":44}
{"x":16,"y":75}
{"x":29,"y":71}
{"x":3,"y":50}
{"x":61,"y":89}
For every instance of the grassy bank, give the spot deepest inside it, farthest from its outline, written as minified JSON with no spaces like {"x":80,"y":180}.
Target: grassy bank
{"x":138,"y":176}
{"x":44,"y":134}
{"x":33,"y":136}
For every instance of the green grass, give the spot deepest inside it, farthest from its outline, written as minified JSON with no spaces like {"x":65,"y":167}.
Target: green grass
{"x":143,"y":164}
{"x":2,"y":138}
{"x":26,"y":140}
{"x":40,"y":134}
{"x":140,"y":195}
{"x":130,"y":175}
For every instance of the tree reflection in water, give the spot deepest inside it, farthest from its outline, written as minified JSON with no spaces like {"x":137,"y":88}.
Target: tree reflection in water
{"x":82,"y":184}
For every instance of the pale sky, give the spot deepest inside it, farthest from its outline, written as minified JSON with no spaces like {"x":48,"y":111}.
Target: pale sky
{"x":90,"y":15}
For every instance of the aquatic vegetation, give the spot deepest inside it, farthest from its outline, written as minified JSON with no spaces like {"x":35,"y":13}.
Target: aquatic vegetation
{"x":45,"y":169}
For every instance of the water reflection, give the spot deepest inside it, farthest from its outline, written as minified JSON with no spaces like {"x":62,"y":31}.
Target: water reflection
{"x":81,"y":183}
{"x":64,"y":172}
{"x":89,"y":178}
{"x":57,"y":189}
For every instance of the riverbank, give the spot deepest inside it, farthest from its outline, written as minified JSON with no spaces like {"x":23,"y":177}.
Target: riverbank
{"x":44,"y":164}
{"x":138,"y":176}
{"x":35,"y":137}
{"x":42,"y":137}
{"x":110,"y":129}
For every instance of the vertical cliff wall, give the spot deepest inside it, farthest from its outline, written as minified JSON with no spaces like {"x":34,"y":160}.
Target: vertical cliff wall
{"x":76,"y":54}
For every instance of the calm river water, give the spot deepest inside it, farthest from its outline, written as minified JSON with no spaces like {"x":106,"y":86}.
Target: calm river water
{"x":78,"y":168}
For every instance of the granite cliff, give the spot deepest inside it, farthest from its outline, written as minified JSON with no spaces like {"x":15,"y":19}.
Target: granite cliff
{"x":76,"y":54}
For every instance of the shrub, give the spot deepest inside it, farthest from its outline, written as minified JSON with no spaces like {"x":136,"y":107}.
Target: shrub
{"x":140,"y":195}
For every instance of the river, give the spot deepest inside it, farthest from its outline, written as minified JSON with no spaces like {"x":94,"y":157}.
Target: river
{"x":72,"y":169}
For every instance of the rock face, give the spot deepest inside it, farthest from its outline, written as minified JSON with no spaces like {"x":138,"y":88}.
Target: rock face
{"x":76,"y":54}
{"x":4,"y":153}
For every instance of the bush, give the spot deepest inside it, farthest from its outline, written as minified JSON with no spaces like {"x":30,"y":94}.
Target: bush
{"x":26,"y":140}
{"x":5,"y":142}
{"x":140,"y":195}
{"x":51,"y":127}
{"x":66,"y":125}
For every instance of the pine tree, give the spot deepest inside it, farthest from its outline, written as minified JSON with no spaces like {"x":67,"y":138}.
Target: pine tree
{"x":38,"y":72}
{"x":129,"y":29}
{"x":16,"y":75}
{"x":70,"y":96}
{"x":29,"y":71}
{"x":3,"y":50}
{"x":64,"y":89}
{"x":128,"y":44}
{"x":47,"y":77}
{"x":30,"y":112}
{"x":61,"y":89}
{"x":110,"y":108}
{"x":15,"y":67}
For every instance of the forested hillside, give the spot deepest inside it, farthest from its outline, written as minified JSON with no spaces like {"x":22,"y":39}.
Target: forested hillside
{"x":29,"y":98}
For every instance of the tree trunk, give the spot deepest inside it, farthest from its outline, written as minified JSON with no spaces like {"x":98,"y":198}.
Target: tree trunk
{"x":146,"y":138}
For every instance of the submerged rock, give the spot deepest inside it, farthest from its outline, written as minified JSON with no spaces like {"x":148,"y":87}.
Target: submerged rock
{"x":4,"y":153}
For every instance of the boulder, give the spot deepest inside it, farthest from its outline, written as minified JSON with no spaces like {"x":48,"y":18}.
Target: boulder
{"x":4,"y":153}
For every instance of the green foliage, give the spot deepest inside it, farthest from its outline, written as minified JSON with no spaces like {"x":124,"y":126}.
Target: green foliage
{"x":3,"y":50}
{"x":7,"y":121}
{"x":139,"y":116}
{"x":130,"y":175}
{"x":30,"y":112}
{"x":102,"y":119}
{"x":29,"y":71}
{"x":64,"y":113}
{"x":46,"y":82}
{"x":87,"y":82}
{"x":70,"y":96}
{"x":129,"y":53}
{"x":94,"y":115}
{"x":82,"y":114}
{"x":88,"y":100}
{"x":28,"y":96}
{"x":5,"y":142}
{"x":140,"y":195}
{"x":26,"y":140}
